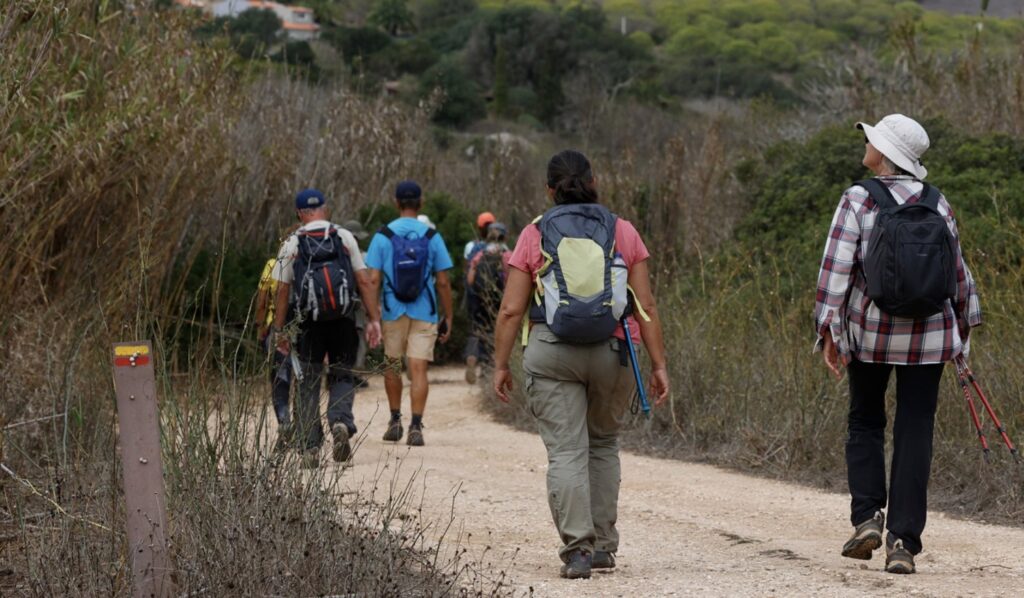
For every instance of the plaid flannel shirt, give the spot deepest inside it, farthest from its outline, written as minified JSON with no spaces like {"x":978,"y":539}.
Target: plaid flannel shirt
{"x":843,"y":309}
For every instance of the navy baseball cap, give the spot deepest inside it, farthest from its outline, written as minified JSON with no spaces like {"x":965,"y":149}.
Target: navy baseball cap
{"x":309,"y":198}
{"x":408,"y":190}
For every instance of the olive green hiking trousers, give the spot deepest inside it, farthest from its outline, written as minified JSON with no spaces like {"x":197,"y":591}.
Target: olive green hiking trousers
{"x":579,"y":395}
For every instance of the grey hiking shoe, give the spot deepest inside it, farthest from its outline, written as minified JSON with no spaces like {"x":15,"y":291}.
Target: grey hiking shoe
{"x":415,"y":436}
{"x":310,"y":458}
{"x":602,"y":560}
{"x":898,"y":559}
{"x":578,"y":566}
{"x":471,"y":369}
{"x":394,"y":432}
{"x":867,"y":537}
{"x":342,"y":449}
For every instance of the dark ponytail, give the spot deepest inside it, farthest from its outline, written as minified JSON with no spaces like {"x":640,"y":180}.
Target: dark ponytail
{"x":570,"y":176}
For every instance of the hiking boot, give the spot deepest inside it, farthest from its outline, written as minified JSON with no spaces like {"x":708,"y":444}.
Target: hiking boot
{"x":285,"y":433}
{"x":415,"y":436}
{"x":578,"y":566}
{"x":360,"y":382}
{"x":898,"y":559}
{"x":342,"y":449}
{"x":394,"y":433}
{"x":471,"y":369}
{"x":310,"y":458}
{"x":602,"y":560}
{"x":866,"y":538}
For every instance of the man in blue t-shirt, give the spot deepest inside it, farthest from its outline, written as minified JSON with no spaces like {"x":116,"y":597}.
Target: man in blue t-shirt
{"x":416,"y":312}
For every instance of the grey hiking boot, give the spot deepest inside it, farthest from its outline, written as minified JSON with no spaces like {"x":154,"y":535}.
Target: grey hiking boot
{"x":578,"y":566}
{"x":471,"y":369}
{"x":415,"y":436}
{"x":310,"y":458}
{"x":867,"y":537}
{"x":394,"y":432}
{"x":285,"y":434}
{"x":602,"y":560}
{"x":342,"y":449}
{"x":898,"y":559}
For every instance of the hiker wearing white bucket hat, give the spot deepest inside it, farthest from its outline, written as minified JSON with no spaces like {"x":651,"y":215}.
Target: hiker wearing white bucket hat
{"x":900,"y":139}
{"x":893,"y":293}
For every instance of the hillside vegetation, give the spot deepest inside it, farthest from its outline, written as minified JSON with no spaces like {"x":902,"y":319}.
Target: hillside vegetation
{"x":521,"y":59}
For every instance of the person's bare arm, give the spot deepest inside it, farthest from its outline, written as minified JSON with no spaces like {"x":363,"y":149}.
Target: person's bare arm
{"x":444,"y":293}
{"x":262,"y":302}
{"x":368,"y":280}
{"x":640,"y":281}
{"x":514,"y":303}
{"x":368,"y":289}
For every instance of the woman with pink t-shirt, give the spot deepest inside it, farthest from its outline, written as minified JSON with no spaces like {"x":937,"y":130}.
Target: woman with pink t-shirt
{"x":579,"y":393}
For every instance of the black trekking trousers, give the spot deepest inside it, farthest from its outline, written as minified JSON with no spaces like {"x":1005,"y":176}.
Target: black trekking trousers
{"x":917,"y":393}
{"x":338,"y":341}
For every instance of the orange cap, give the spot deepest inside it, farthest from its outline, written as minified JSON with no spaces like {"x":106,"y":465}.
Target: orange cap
{"x":484,"y":219}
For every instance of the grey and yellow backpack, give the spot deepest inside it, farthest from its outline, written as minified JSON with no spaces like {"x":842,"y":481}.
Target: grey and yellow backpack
{"x":581,"y":291}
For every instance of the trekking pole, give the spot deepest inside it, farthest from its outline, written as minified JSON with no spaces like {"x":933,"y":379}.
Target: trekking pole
{"x":988,"y":407}
{"x":645,"y":406}
{"x":962,"y":379}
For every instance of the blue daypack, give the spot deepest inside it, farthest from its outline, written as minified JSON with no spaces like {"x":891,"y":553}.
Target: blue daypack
{"x":410,"y":261}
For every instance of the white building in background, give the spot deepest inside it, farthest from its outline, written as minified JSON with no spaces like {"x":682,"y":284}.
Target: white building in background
{"x":297,"y":21}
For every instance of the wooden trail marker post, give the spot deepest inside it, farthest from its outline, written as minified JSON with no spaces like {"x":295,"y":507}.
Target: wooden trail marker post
{"x":138,"y":419}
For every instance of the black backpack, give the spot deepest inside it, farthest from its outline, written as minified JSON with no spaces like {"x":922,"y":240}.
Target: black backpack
{"x":489,"y":282}
{"x":911,"y":265}
{"x":324,"y":286}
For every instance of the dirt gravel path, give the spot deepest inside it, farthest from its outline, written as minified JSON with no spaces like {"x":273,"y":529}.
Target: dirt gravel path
{"x":687,"y":529}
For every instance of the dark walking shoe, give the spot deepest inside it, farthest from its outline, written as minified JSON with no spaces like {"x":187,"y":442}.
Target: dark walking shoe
{"x":342,"y":449}
{"x":471,"y":369}
{"x":415,"y":436}
{"x":602,"y":560}
{"x":394,"y":433}
{"x":866,"y":538}
{"x":310,"y":458}
{"x":578,"y":566}
{"x":898,"y":559}
{"x":285,"y":433}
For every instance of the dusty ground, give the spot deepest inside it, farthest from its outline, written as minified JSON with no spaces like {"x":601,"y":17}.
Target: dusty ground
{"x":686,"y":529}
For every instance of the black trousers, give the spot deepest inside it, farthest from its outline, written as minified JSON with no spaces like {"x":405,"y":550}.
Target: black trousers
{"x":338,"y":341}
{"x":917,"y":392}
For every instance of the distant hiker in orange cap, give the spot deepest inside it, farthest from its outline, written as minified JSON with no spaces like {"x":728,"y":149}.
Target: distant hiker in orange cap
{"x":473,"y":352}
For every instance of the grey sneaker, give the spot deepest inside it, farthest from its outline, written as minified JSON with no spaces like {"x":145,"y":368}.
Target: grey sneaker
{"x":415,"y":436}
{"x":898,"y":559}
{"x":867,"y":537}
{"x":310,"y":458}
{"x":394,"y":432}
{"x":578,"y":566}
{"x":342,"y":449}
{"x":471,"y":369}
{"x":602,"y":560}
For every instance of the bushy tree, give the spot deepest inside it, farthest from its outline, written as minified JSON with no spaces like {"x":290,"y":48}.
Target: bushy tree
{"x":461,"y":103}
{"x":392,"y":16}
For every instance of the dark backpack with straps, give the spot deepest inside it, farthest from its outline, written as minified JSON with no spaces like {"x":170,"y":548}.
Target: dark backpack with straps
{"x":324,"y":284}
{"x":489,"y":282}
{"x":911,"y":263}
{"x":410,"y":265}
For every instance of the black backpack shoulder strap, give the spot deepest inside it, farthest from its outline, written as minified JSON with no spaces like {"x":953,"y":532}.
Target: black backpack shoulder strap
{"x":387,"y":232}
{"x":879,"y":192}
{"x":929,"y":197}
{"x":431,"y":232}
